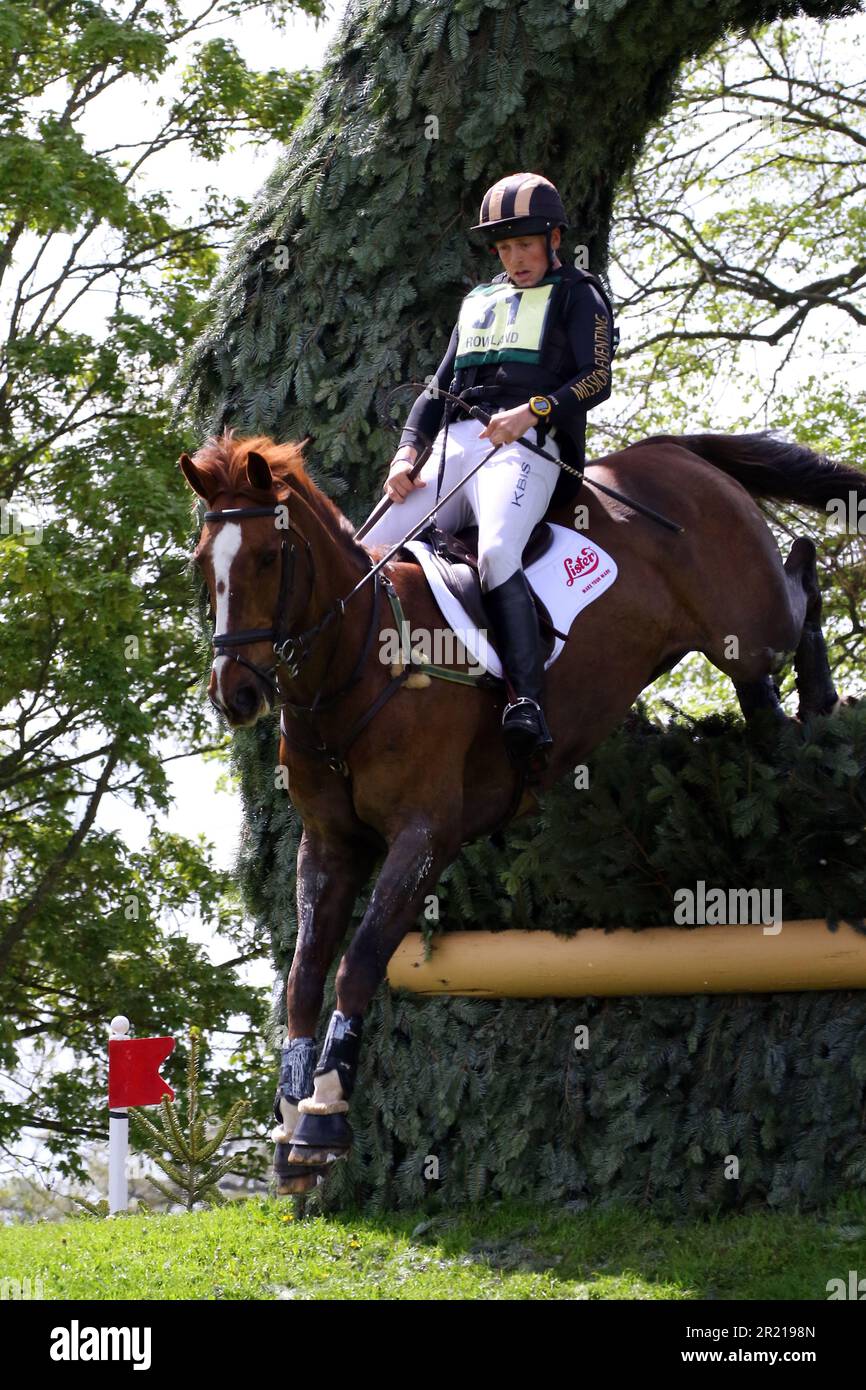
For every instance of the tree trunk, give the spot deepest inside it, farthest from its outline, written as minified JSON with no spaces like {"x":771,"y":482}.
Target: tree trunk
{"x":347,"y":277}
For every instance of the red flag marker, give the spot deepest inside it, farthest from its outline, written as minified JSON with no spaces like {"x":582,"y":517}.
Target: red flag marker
{"x":133,"y":1079}
{"x":133,"y":1071}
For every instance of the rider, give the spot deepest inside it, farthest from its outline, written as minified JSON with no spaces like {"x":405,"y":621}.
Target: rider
{"x":533,"y":348}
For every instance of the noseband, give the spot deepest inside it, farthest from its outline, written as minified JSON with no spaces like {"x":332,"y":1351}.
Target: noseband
{"x":285,"y":647}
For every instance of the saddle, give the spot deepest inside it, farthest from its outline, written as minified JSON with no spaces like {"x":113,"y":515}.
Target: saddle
{"x":456,"y":558}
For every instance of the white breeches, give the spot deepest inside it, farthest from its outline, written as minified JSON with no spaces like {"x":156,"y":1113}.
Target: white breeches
{"x":505,"y":498}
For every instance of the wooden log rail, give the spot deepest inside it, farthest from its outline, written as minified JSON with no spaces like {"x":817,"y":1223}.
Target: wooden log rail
{"x":658,"y":960}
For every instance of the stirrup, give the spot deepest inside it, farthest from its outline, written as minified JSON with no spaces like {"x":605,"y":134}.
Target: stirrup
{"x":525,"y":739}
{"x":522,"y":700}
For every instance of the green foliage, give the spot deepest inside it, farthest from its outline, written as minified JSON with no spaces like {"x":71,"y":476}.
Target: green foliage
{"x":255,"y":1250}
{"x":102,"y":279}
{"x":191,"y":1164}
{"x":98,"y":1209}
{"x":218,"y":88}
{"x":715,"y":802}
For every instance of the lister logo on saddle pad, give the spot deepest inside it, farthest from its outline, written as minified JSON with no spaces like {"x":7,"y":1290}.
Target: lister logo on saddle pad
{"x":574,"y":573}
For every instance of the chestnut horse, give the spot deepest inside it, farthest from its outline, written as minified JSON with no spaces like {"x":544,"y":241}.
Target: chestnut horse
{"x":378,"y":769}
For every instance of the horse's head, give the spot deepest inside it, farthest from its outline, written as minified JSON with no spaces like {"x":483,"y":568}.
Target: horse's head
{"x":245,"y":555}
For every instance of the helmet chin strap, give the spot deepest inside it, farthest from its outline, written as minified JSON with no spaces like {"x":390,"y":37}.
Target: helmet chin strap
{"x":549,"y":249}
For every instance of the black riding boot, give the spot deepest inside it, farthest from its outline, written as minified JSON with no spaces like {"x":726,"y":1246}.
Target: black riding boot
{"x":515,"y":625}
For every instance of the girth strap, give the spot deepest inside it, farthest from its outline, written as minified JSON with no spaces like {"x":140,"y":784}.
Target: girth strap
{"x":336,"y":758}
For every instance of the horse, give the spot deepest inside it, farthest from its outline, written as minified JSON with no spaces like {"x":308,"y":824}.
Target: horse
{"x":407,"y":771}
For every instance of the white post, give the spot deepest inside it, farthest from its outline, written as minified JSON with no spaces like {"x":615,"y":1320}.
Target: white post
{"x":118,"y":1137}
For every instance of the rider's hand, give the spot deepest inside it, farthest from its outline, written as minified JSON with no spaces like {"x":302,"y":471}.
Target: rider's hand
{"x":507,"y":425}
{"x":398,"y":484}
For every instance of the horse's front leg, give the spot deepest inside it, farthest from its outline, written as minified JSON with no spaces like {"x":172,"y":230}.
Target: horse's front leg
{"x":329,"y":878}
{"x":417,"y":856}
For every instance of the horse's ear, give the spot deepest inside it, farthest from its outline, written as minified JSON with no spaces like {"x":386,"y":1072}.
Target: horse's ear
{"x":259,"y":472}
{"x":195,"y":479}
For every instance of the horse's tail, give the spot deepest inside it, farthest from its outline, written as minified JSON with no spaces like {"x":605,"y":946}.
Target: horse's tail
{"x":769,"y":467}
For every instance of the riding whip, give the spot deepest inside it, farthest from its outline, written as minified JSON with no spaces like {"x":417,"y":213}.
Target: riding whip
{"x":477,"y":413}
{"x":384,"y":503}
{"x":419,"y":526}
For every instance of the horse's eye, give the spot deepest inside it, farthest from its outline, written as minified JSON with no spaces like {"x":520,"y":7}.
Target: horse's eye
{"x":266,"y":560}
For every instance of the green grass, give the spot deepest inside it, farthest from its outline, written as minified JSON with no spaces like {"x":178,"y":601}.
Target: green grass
{"x":257,"y":1249}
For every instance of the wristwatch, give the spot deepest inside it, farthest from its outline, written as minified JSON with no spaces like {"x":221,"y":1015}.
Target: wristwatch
{"x":541,"y":406}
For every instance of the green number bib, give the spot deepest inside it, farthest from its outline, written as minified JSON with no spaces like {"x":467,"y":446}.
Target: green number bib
{"x":502,"y":323}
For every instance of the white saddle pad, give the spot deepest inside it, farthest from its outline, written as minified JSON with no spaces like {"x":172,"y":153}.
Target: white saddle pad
{"x":572,"y":574}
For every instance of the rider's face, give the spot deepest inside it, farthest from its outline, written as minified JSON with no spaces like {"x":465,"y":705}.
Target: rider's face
{"x":524,"y":258}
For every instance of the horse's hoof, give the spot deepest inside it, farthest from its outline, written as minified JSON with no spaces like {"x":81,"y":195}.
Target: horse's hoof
{"x":319,"y":1139}
{"x":317,"y":1159}
{"x":293,"y":1177}
{"x":294,"y":1187}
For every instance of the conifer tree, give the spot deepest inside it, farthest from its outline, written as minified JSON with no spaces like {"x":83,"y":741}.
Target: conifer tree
{"x":191,"y":1164}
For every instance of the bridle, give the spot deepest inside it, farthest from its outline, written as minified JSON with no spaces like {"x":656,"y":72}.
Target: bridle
{"x":282,"y":642}
{"x":291,"y":650}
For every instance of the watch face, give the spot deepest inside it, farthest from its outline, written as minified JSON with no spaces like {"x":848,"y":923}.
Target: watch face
{"x":539,"y":405}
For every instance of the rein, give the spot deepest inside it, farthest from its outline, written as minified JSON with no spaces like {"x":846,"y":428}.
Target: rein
{"x":290,"y":651}
{"x":477,"y":413}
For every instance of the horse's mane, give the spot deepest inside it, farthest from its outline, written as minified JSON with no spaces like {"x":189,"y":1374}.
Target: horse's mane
{"x":224,"y":457}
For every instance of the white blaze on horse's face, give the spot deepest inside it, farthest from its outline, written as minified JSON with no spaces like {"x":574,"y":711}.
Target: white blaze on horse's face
{"x":225,"y":548}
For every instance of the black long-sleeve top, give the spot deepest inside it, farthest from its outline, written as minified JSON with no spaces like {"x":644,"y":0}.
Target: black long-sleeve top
{"x":588,"y":332}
